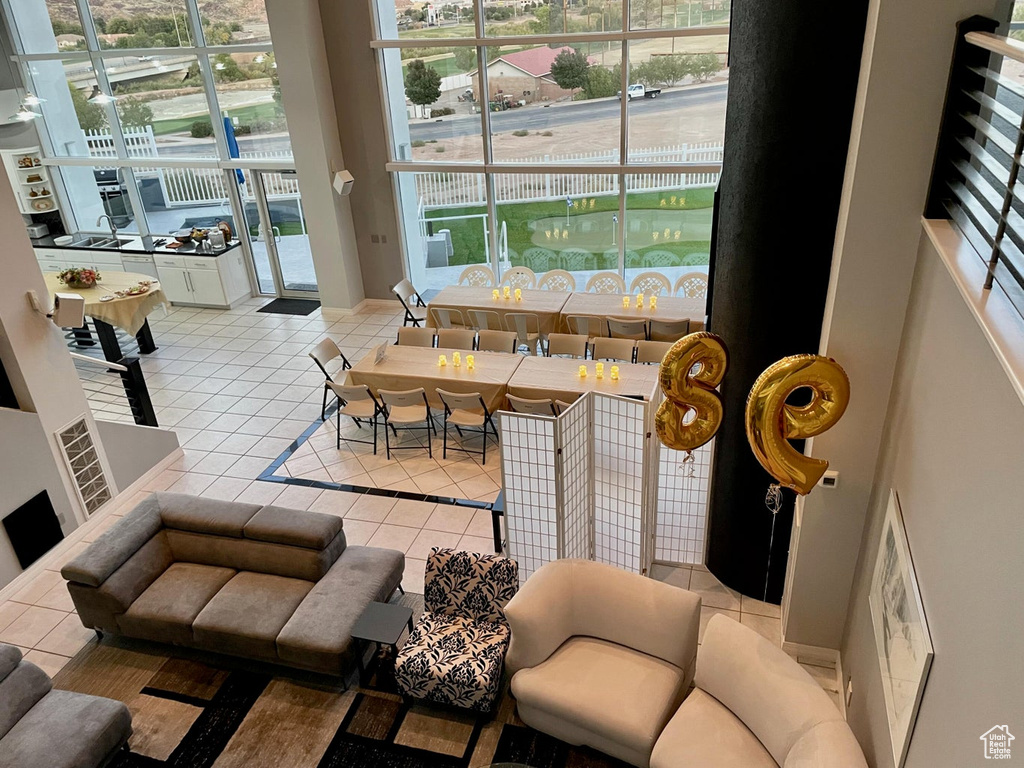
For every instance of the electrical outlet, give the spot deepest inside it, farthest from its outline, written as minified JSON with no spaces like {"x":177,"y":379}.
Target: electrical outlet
{"x":374,"y":238}
{"x":830,"y":479}
{"x":849,"y":692}
{"x":384,"y":239}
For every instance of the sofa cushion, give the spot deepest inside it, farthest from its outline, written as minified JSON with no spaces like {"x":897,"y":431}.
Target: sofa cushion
{"x":110,"y":551}
{"x":19,"y":692}
{"x":67,"y":730}
{"x":256,"y":556}
{"x":604,"y":688}
{"x":827,"y":745}
{"x":278,"y":525}
{"x":166,"y":610}
{"x":247,"y":615}
{"x":319,"y":634}
{"x":704,"y":732}
{"x":10,"y":657}
{"x":201,"y":515}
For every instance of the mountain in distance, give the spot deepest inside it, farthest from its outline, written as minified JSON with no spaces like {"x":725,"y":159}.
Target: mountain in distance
{"x":213,"y":10}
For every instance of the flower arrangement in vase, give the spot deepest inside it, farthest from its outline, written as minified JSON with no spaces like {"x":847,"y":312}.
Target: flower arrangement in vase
{"x":76,"y":277}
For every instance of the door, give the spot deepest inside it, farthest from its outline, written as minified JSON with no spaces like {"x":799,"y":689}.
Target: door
{"x":279,"y":240}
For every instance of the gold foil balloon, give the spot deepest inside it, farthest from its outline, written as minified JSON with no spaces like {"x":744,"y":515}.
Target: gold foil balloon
{"x":692,"y":411}
{"x":771,"y":423}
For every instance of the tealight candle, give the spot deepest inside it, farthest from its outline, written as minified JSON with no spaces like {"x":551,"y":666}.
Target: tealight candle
{"x":456,"y":359}
{"x":599,"y":370}
{"x":654,"y":302}
{"x":583,"y":371}
{"x":519,"y":294}
{"x":442,"y":360}
{"x":470,"y":360}
{"x":625,"y":302}
{"x":615,"y":373}
{"x":494,"y":294}
{"x":507,"y":291}
{"x":639,"y":301}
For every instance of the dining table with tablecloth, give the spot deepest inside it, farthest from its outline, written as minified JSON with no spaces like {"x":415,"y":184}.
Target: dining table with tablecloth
{"x":546,"y":305}
{"x":557,"y":378}
{"x":604,"y":305}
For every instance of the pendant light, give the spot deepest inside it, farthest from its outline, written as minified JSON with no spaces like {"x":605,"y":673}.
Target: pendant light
{"x":99,"y":97}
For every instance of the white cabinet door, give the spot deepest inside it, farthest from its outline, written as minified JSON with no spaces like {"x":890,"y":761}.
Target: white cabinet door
{"x":175,"y":284}
{"x":207,"y":288}
{"x":50,"y":261}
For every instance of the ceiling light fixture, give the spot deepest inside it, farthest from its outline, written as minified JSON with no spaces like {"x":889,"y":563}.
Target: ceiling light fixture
{"x":219,"y":65}
{"x":99,"y":97}
{"x":32,"y":100}
{"x":23,"y":115}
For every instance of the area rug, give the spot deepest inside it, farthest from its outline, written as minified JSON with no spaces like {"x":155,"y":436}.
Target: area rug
{"x":199,"y":711}
{"x":301,"y":307}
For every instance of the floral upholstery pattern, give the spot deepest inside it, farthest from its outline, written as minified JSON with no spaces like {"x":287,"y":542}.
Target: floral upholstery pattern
{"x":456,"y":653}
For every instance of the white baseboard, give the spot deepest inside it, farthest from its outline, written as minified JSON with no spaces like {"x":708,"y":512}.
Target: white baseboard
{"x":812,"y":654}
{"x":336,"y":313}
{"x":22,"y":579}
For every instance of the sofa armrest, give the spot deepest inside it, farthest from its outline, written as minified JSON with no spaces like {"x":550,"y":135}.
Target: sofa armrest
{"x":113,"y":549}
{"x":540,"y":616}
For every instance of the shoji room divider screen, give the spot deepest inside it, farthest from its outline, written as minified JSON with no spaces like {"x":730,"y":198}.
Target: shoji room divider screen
{"x":594,"y":483}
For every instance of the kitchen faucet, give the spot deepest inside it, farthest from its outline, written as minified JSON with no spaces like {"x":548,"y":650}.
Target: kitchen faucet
{"x":110,"y":223}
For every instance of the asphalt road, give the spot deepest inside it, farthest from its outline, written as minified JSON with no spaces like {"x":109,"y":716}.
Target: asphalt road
{"x":542,"y":118}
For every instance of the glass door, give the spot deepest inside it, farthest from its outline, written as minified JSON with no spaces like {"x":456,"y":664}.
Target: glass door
{"x":277,"y":232}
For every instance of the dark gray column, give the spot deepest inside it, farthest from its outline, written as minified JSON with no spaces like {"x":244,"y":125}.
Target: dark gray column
{"x":792,"y":85}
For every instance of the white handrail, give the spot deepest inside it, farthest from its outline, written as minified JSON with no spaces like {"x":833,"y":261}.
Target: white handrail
{"x":100,"y":363}
{"x":1004,"y":46}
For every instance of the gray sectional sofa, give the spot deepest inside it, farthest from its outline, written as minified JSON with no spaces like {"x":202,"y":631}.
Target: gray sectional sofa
{"x":264,"y":583}
{"x":44,"y":728}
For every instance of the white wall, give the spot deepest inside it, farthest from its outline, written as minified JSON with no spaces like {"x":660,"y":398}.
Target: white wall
{"x":953,"y":450}
{"x":908,"y":48}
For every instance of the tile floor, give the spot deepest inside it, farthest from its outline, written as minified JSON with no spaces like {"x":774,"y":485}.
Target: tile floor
{"x":238,"y":388}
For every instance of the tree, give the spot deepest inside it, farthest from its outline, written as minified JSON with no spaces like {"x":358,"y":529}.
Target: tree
{"x":226,"y":69}
{"x":134,"y":112}
{"x":603,"y":82}
{"x":91,"y":117}
{"x":702,"y":66}
{"x":465,"y":58}
{"x":569,"y":69}
{"x":422,"y":84}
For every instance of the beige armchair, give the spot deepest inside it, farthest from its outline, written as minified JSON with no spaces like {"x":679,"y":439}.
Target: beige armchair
{"x":600,"y":656}
{"x":753,"y":706}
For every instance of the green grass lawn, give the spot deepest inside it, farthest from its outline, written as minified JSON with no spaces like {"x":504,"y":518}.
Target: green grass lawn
{"x":676,"y":223}
{"x":244,"y":114}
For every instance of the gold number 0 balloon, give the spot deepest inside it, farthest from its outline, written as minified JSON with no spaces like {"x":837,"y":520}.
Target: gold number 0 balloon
{"x":688,"y":391}
{"x":771,"y":422}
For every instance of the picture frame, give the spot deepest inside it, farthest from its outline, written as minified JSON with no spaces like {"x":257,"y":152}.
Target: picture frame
{"x":902,"y":637}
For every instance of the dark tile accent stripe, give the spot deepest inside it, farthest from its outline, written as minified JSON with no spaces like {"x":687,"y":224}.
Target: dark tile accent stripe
{"x":175,"y":696}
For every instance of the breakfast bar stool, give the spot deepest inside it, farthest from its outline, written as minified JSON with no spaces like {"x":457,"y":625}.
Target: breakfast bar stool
{"x":466,"y":412}
{"x":359,"y":404}
{"x":322,"y":354}
{"x":404,"y":409}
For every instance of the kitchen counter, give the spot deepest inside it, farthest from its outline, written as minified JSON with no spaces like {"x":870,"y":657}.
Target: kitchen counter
{"x":137,"y":245}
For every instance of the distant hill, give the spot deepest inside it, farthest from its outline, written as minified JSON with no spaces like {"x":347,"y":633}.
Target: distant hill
{"x":215,"y":10}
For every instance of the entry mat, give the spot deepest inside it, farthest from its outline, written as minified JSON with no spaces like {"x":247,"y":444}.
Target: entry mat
{"x":301,"y":307}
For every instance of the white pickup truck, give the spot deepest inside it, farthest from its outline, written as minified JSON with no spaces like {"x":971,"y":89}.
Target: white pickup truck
{"x":640,"y":91}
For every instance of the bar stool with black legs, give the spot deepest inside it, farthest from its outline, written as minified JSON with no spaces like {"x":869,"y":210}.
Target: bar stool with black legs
{"x":322,"y":354}
{"x":469,"y":412}
{"x":358,"y":403}
{"x":405,"y":409}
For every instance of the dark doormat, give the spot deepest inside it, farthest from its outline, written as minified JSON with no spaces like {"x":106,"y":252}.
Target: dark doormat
{"x":290,"y":307}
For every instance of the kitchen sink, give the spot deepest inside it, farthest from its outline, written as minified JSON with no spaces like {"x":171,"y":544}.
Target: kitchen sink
{"x":99,"y":241}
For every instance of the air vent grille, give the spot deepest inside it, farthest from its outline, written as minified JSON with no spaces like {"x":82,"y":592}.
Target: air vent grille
{"x":84,"y":463}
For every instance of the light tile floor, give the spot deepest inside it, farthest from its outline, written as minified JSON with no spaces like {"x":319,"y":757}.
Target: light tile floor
{"x":238,"y":387}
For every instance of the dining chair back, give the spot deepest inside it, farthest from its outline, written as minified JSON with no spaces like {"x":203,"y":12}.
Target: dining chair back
{"x":497,"y":341}
{"x":416,"y":337}
{"x":692,"y":285}
{"x":477,"y":275}
{"x":557,"y":280}
{"x":323,"y":353}
{"x":544,"y":407}
{"x":614,"y":349}
{"x":415,"y":309}
{"x":652,"y":351}
{"x":668,"y":330}
{"x":357,"y":403}
{"x":456,"y":338}
{"x":651,"y":284}
{"x":561,"y":406}
{"x":445,"y":317}
{"x":606,"y":282}
{"x":586,"y":325}
{"x":567,"y":344}
{"x":485,"y":320}
{"x":466,"y":411}
{"x":406,"y":409}
{"x":519,"y":277}
{"x":621,"y":328}
{"x":527,"y":328}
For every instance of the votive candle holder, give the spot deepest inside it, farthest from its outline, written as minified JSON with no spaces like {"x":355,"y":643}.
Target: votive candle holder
{"x":615,"y":373}
{"x":442,"y":360}
{"x":583,"y":371}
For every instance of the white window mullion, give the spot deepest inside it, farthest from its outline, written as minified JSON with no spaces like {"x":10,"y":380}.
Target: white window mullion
{"x":623,"y":140}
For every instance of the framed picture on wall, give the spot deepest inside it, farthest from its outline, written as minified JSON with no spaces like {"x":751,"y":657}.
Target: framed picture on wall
{"x":901,"y":630}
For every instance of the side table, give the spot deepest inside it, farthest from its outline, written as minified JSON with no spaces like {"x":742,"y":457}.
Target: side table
{"x":382,"y":624}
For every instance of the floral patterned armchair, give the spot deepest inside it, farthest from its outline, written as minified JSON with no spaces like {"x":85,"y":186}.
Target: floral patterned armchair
{"x":456,"y":653}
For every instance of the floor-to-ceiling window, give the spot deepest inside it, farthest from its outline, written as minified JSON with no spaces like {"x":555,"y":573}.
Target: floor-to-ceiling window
{"x":165,"y":115}
{"x":511,"y":144}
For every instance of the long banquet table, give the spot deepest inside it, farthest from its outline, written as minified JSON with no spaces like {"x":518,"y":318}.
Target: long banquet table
{"x":411,"y":367}
{"x":604,"y":305}
{"x":538,"y":378}
{"x":547,"y":305}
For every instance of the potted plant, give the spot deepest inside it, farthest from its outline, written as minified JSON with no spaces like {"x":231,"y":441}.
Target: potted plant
{"x":76,"y":277}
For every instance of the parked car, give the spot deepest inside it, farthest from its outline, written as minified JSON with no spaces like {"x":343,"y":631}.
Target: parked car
{"x":639,"y":91}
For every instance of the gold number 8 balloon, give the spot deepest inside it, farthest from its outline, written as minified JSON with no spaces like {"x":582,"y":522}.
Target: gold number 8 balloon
{"x":692,"y":411}
{"x":771,"y":423}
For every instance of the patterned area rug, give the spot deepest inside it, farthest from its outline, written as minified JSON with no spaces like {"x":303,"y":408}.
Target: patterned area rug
{"x":197,"y":711}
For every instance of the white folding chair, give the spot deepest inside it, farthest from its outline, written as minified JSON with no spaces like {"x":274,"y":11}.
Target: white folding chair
{"x":322,"y":354}
{"x":652,"y":351}
{"x":567,"y":344}
{"x":469,"y":412}
{"x":405,"y":409}
{"x":619,"y":328}
{"x":497,"y":341}
{"x":415,"y":309}
{"x":416,"y":337}
{"x":456,"y":338}
{"x":358,"y":403}
{"x":535,"y":407}
{"x":614,"y":349}
{"x":668,"y":330}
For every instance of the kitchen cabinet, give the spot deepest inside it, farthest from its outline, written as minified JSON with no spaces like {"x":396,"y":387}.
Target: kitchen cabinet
{"x":59,"y":259}
{"x":205,"y":281}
